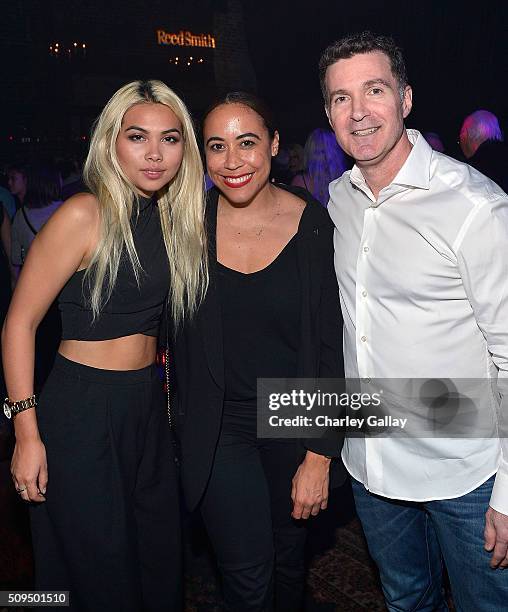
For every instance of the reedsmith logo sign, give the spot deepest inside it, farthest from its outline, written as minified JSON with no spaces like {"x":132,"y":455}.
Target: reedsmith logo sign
{"x":185,"y":39}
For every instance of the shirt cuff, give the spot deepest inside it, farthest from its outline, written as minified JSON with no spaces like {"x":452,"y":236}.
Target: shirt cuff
{"x":499,"y":496}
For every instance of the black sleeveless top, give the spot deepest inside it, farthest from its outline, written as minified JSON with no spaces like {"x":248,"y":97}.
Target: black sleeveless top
{"x":260,"y":323}
{"x":130,"y":309}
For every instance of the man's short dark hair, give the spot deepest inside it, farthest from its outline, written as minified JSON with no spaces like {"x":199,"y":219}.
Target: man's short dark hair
{"x":363,"y":42}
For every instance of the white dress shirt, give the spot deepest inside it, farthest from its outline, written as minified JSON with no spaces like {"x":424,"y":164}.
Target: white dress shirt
{"x":423,"y":275}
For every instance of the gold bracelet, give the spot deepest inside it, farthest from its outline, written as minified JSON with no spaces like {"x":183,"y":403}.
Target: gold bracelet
{"x":11,"y":409}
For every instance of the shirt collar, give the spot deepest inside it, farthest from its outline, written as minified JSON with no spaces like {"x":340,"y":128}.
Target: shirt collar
{"x":415,"y":171}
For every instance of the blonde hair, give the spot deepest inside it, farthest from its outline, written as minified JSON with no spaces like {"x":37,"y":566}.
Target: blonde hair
{"x":180,"y":204}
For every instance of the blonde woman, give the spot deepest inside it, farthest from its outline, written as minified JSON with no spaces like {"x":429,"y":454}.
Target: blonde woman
{"x":95,"y":455}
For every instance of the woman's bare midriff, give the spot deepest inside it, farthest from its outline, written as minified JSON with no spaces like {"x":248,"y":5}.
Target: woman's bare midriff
{"x":126,"y":353}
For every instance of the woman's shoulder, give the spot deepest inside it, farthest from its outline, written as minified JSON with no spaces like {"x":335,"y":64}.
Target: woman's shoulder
{"x":298,"y":192}
{"x":292,"y":196}
{"x":75,"y":221}
{"x":81,"y":208}
{"x":315,"y":212}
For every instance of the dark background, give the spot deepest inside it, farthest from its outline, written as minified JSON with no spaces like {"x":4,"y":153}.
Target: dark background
{"x":456,"y":58}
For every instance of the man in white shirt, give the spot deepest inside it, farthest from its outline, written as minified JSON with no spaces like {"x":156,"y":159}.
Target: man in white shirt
{"x":421,"y":252}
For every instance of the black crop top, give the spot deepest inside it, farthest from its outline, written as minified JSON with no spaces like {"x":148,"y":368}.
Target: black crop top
{"x":130,"y":309}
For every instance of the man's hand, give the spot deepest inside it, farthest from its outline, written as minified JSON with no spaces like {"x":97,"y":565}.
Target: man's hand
{"x":496,"y":537}
{"x":310,"y":486}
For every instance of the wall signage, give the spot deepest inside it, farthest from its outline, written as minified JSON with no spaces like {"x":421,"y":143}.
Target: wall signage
{"x":185,"y":39}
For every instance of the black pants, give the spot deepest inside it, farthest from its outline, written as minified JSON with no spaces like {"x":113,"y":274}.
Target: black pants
{"x":247,"y":512}
{"x":109,"y":530}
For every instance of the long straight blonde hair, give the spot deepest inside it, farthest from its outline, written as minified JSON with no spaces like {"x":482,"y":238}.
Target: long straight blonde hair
{"x":180,"y":204}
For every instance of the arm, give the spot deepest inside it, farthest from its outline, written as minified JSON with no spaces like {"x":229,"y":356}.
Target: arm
{"x":331,"y":360}
{"x":482,"y":257}
{"x":310,"y":486}
{"x":311,"y":481}
{"x":61,"y":247}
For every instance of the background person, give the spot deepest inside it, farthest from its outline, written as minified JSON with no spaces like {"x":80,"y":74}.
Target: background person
{"x":17,"y":182}
{"x":96,"y":455}
{"x":271,"y":310}
{"x":324,"y":161}
{"x":72,"y":180}
{"x":6,"y":276}
{"x":7,"y":202}
{"x":42,"y":197}
{"x":482,"y":143}
{"x":295,"y":163}
{"x":41,"y":200}
{"x":280,"y":172}
{"x":5,"y":249}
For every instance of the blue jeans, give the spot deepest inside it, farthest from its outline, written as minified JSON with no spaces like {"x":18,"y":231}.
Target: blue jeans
{"x":409,"y":541}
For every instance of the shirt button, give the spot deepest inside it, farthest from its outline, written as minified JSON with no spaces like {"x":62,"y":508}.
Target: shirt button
{"x":365,"y":249}
{"x":364,"y":293}
{"x":363,"y":338}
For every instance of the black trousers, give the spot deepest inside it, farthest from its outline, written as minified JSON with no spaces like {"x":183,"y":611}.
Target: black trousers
{"x":109,"y":530}
{"x":247,"y":512}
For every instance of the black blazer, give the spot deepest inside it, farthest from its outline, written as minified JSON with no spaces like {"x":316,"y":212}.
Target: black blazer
{"x":198,"y":390}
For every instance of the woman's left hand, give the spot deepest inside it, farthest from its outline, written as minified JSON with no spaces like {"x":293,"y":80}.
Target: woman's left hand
{"x":310,"y":486}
